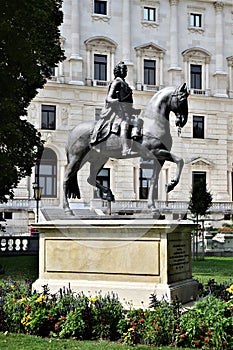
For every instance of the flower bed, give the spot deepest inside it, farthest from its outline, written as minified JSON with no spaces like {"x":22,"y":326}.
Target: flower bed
{"x":208,"y":325}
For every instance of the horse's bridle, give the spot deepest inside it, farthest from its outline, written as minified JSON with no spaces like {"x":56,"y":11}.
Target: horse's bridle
{"x":178,"y":95}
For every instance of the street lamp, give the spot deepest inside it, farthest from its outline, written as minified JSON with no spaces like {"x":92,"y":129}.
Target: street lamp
{"x":37,"y":196}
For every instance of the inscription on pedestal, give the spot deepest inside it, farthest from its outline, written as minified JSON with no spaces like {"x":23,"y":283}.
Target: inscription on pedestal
{"x":178,"y":260}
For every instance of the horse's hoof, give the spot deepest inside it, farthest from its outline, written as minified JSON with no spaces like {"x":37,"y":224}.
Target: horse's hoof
{"x":170,"y":186}
{"x":154,"y":211}
{"x":69,"y":212}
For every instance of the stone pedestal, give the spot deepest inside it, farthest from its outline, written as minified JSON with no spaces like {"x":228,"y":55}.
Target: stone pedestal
{"x":131,"y":257}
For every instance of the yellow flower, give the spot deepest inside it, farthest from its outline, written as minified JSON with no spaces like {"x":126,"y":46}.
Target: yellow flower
{"x":23,"y":300}
{"x":40,"y":298}
{"x":26,"y":320}
{"x":93,"y":300}
{"x":130,"y":329}
{"x":230,"y":289}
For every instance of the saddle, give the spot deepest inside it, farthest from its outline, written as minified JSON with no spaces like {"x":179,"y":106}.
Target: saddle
{"x":110,"y":122}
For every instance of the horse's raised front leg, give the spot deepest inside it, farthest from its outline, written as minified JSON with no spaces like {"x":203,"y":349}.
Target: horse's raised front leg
{"x":179,"y":166}
{"x":166,"y":155}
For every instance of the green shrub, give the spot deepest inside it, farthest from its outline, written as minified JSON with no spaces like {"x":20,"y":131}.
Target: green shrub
{"x":149,"y":327}
{"x":208,"y":325}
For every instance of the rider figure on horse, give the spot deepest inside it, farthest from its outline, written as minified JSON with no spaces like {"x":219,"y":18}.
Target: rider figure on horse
{"x":119,"y":112}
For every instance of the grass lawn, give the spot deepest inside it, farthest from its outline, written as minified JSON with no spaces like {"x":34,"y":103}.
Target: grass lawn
{"x":217,"y":268}
{"x":20,"y":267}
{"x":27,"y":342}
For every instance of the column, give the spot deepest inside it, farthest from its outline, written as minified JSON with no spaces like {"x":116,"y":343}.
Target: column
{"x":219,"y":37}
{"x":75,"y":58}
{"x":220,"y":75}
{"x":126,"y":38}
{"x":126,"y":32}
{"x":174,"y":36}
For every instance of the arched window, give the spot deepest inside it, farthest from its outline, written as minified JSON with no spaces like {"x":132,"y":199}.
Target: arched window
{"x":46,"y":173}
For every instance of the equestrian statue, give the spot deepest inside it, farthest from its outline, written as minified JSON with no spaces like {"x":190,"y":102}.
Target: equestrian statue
{"x":124,"y":132}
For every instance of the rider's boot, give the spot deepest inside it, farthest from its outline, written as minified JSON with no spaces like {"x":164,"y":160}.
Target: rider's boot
{"x":125,"y":142}
{"x":136,"y":129}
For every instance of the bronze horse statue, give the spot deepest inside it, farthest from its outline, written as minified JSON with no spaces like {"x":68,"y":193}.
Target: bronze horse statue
{"x":156,"y":143}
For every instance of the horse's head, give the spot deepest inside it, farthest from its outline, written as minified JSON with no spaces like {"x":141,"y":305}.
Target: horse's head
{"x":179,"y":105}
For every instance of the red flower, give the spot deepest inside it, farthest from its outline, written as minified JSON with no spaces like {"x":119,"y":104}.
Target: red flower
{"x":141,"y":320}
{"x":207,"y":339}
{"x":182,"y":335}
{"x":28,"y":308}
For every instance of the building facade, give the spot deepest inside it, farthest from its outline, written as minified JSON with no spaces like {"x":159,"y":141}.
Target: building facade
{"x":164,"y":43}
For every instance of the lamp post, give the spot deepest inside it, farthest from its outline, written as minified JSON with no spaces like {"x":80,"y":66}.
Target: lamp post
{"x":37,"y":196}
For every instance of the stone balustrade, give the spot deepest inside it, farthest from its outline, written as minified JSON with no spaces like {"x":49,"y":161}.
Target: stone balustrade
{"x":19,"y":245}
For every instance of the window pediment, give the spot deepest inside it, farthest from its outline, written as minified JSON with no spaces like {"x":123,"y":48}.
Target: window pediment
{"x":100,"y":43}
{"x":149,"y":49}
{"x":196,"y":53}
{"x":200,"y":162}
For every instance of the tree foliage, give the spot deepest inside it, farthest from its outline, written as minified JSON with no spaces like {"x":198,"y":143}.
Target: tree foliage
{"x":200,"y":200}
{"x":29,"y":47}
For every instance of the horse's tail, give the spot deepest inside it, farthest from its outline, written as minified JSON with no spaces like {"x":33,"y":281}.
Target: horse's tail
{"x":72,"y":187}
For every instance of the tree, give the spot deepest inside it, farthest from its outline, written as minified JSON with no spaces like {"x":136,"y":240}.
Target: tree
{"x":200,"y":202}
{"x":29,"y":47}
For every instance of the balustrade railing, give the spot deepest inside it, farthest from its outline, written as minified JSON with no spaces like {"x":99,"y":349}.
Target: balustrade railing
{"x":223,"y":207}
{"x":19,"y":245}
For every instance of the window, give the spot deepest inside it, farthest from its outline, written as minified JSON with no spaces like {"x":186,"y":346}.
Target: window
{"x":46,"y":173}
{"x":100,"y":7}
{"x":196,"y":76}
{"x":8,"y":215}
{"x":145,"y":174}
{"x":198,"y":127}
{"x":100,"y":67}
{"x":195,"y":20}
{"x":97,"y":113}
{"x":52,"y":71}
{"x":196,"y":68}
{"x":103,"y":178}
{"x":100,"y":58}
{"x":199,"y":177}
{"x":150,"y":72}
{"x":149,"y":14}
{"x":48,"y":117}
{"x":144,"y":182}
{"x":150,"y":67}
